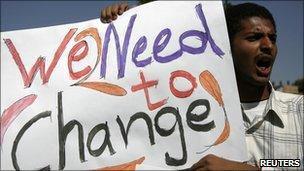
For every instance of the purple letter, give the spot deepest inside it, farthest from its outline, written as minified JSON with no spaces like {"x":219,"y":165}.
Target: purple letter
{"x":201,"y":15}
{"x":139,"y":48}
{"x":159,"y":47}
{"x":121,"y":54}
{"x":192,"y":50}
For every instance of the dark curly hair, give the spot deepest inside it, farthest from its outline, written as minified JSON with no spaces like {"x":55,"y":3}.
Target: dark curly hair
{"x":236,"y":13}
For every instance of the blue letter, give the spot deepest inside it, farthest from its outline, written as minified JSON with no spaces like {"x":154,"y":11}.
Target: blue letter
{"x":121,"y":54}
{"x":139,"y":48}
{"x":158,"y":47}
{"x":201,"y":15}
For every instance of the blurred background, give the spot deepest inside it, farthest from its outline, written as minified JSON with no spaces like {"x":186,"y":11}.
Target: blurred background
{"x":287,"y":74}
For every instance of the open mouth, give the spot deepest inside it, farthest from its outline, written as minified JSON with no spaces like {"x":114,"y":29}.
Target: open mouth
{"x":263,"y":65}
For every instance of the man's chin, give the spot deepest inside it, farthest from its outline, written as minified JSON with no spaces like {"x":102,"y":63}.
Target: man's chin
{"x":260,"y":81}
{"x":253,"y":80}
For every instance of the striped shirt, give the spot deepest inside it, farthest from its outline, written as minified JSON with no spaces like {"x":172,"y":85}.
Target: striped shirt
{"x":277,"y":133}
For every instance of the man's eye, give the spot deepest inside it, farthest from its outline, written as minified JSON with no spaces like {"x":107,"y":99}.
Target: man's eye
{"x":273,"y":38}
{"x":253,"y":38}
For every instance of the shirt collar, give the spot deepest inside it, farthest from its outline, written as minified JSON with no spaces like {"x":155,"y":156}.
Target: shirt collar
{"x":273,"y":108}
{"x":271,"y":113}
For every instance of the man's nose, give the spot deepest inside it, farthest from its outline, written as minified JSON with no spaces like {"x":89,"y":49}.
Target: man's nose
{"x":266,"y":45}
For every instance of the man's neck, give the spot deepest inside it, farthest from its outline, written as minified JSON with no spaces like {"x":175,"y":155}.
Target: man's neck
{"x":253,"y":93}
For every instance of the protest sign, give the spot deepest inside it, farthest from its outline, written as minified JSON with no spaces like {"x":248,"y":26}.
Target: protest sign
{"x":153,"y":89}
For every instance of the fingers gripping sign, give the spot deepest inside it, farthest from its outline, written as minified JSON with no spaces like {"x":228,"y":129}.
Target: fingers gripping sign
{"x":111,"y":12}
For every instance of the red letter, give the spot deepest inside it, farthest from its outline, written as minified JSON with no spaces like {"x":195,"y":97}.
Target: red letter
{"x":11,"y":113}
{"x":145,"y":85}
{"x":73,"y":57}
{"x":188,"y":76}
{"x":93,"y":32}
{"x":40,"y":63}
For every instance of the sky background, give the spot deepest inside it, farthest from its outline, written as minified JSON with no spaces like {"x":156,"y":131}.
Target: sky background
{"x":17,"y":15}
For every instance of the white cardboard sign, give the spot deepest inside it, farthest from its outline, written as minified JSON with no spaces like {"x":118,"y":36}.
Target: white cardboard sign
{"x":153,"y":89}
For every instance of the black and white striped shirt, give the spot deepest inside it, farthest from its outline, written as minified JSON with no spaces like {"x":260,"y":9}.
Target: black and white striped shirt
{"x":277,"y":133}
